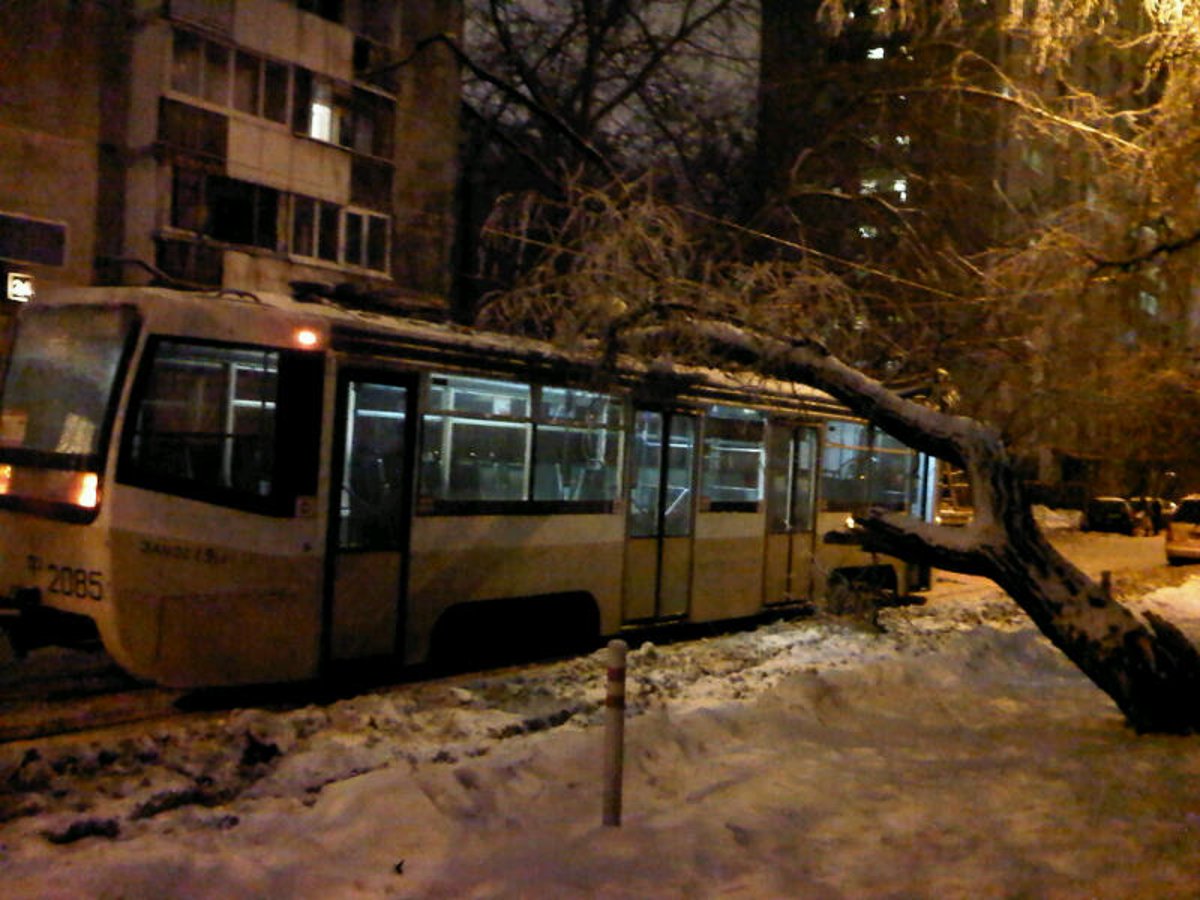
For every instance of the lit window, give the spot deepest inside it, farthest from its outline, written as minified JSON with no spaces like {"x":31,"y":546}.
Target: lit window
{"x":486,"y":440}
{"x":876,"y":53}
{"x":733,"y":457}
{"x":321,"y":113}
{"x":900,"y":188}
{"x":868,"y":231}
{"x":868,"y":185}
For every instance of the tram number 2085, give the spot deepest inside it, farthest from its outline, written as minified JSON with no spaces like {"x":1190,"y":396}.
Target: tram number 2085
{"x":86,"y":584}
{"x":69,"y":581}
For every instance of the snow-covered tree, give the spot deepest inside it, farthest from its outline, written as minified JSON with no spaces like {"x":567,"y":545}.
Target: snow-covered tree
{"x":624,"y":276}
{"x":604,"y":91}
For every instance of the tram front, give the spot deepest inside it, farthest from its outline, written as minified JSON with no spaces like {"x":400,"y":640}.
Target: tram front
{"x":57,"y":406}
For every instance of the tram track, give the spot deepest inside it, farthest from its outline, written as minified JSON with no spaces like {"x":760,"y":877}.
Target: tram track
{"x":54,"y":691}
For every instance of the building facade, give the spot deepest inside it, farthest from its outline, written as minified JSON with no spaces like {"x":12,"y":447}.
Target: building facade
{"x":241,"y":144}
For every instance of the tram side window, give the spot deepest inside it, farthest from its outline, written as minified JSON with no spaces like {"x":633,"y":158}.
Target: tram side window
{"x":476,"y":440}
{"x":488,"y":441}
{"x":578,"y":444}
{"x":862,"y":467}
{"x":892,"y":487}
{"x":733,"y":459}
{"x":206,"y":424}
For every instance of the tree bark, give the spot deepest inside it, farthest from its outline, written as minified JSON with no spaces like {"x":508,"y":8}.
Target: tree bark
{"x":1144,"y":663}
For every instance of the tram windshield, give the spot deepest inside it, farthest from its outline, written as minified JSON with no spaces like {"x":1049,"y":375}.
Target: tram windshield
{"x":56,"y":401}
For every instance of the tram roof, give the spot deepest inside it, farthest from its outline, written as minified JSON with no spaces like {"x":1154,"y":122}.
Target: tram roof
{"x":273,"y":318}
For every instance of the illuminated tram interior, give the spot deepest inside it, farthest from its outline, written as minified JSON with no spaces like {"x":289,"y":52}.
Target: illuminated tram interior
{"x":233,"y":508}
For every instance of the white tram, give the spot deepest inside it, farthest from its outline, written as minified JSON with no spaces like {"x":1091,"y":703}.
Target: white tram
{"x":248,"y":488}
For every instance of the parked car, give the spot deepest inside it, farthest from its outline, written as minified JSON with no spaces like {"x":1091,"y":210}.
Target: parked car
{"x":1155,"y":511}
{"x":1183,"y":531}
{"x":1112,"y":514}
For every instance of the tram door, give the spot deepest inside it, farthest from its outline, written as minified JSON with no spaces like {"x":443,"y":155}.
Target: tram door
{"x":658,"y":553}
{"x":791,"y":514}
{"x":370,"y":517}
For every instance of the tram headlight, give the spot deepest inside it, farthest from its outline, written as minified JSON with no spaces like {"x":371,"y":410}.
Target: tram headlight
{"x":307,"y":338}
{"x":87,"y":490}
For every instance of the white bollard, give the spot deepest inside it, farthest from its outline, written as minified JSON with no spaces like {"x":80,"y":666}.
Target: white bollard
{"x":614,"y":732}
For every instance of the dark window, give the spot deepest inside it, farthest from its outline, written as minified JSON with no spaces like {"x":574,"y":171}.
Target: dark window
{"x":187,"y":63}
{"x":326,"y":9}
{"x":187,"y":127}
{"x":188,"y":209}
{"x":216,"y":73}
{"x":242,"y":213}
{"x":227,"y":77}
{"x":373,"y":477}
{"x":377,"y":243}
{"x":275,"y":88}
{"x":64,"y":367}
{"x":198,"y":263}
{"x":304,"y":223}
{"x":27,"y":240}
{"x":302,"y":94}
{"x":371,"y":184}
{"x":210,"y":422}
{"x":863,"y":467}
{"x":355,"y":243}
{"x":327,"y":232}
{"x":373,"y":123}
{"x":246,"y":87}
{"x":374,"y":59}
{"x":226,"y":209}
{"x":365,"y":241}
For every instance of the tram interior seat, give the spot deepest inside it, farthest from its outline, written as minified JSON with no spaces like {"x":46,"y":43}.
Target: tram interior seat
{"x":466,"y":482}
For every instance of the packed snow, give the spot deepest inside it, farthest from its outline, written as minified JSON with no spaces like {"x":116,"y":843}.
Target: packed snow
{"x":944,"y":750}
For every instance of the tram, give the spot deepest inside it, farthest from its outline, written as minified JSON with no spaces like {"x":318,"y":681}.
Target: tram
{"x":252,"y":488}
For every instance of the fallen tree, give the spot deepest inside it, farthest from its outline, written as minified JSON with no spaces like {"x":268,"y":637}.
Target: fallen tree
{"x":1144,"y":663}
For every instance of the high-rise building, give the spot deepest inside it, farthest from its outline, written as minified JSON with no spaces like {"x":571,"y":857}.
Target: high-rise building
{"x":242,"y":144}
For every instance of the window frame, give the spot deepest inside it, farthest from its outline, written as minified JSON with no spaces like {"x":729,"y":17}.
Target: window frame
{"x":97,"y":462}
{"x":757,"y":418}
{"x":533,"y":417}
{"x":876,"y":444}
{"x":226,"y":99}
{"x":295,"y":441}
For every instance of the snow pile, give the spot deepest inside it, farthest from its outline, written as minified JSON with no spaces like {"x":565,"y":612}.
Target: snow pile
{"x":953,"y":754}
{"x":1057,"y":519}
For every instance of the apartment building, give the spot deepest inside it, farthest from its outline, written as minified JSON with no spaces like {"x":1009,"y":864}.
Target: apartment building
{"x":243,"y":144}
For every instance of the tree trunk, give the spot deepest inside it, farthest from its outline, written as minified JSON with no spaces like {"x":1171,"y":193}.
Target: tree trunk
{"x":1144,"y":663}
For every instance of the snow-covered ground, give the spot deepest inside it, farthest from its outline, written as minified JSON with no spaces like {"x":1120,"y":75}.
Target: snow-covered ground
{"x":952,"y":754}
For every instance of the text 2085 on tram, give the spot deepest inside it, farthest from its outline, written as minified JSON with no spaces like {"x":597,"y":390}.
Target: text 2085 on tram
{"x":243,"y":489}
